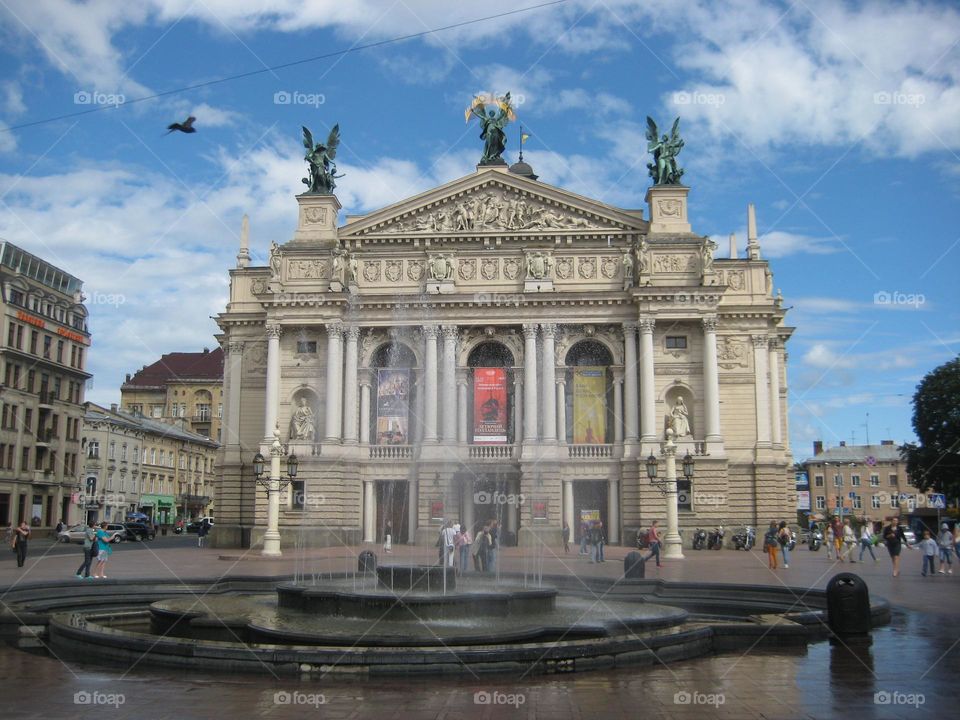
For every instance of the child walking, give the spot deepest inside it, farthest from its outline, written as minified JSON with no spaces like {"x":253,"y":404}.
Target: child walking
{"x":929,"y":548}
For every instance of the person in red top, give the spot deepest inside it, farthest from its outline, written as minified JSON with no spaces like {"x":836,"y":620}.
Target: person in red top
{"x":654,"y":542}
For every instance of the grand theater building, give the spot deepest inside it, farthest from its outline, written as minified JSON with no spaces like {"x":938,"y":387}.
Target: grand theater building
{"x":498,"y":347}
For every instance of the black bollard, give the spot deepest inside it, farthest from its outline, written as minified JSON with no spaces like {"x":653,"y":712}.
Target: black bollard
{"x":634,"y":566}
{"x":367,"y":562}
{"x":848,"y":605}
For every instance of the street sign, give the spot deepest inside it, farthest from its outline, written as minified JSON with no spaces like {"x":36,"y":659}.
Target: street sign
{"x":938,"y":500}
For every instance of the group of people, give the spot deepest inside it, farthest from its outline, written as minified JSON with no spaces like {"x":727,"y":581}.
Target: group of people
{"x":592,"y":540}
{"x":840,"y":540}
{"x":97,"y":544}
{"x":776,"y":542}
{"x":456,"y":547}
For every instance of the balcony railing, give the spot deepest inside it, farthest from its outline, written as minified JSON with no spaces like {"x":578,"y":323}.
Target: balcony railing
{"x":391,"y":452}
{"x":491,"y":452}
{"x":590,"y":452}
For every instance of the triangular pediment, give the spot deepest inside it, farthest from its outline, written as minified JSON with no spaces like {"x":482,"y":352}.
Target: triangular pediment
{"x":494,"y":202}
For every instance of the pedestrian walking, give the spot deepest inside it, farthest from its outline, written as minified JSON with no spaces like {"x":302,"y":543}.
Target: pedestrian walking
{"x":104,"y":550}
{"x":946,"y":548}
{"x":89,"y":550}
{"x":828,"y":542}
{"x":566,"y":538}
{"x":849,"y":540}
{"x":654,"y":542}
{"x":592,"y":536}
{"x":601,"y":541}
{"x":493,"y":547}
{"x":20,"y":537}
{"x":58,"y":530}
{"x":479,"y":550}
{"x":929,"y":548}
{"x":866,"y":542}
{"x":202,"y":532}
{"x":388,"y":537}
{"x":465,"y":542}
{"x":447,"y":535}
{"x":584,"y":537}
{"x":838,"y":538}
{"x":783,"y":539}
{"x":895,"y":540}
{"x":770,"y":544}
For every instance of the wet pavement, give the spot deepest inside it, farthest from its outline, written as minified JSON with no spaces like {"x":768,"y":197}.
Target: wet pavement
{"x":904,"y":670}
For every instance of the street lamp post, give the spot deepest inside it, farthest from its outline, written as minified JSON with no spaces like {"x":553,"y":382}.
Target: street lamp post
{"x":673,"y":545}
{"x":274,"y":484}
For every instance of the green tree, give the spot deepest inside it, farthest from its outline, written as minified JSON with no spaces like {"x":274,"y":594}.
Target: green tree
{"x":934,"y":462}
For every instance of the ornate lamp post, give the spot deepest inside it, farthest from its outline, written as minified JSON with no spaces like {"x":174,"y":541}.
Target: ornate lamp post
{"x":274,"y":484}
{"x":673,"y":545}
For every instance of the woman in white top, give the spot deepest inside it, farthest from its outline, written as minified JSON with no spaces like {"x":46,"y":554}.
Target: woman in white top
{"x":866,"y":541}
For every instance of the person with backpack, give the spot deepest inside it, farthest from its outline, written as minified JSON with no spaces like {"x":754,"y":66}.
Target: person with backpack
{"x":89,"y":550}
{"x":771,"y":545}
{"x":20,"y":537}
{"x":784,"y":536}
{"x":654,"y":542}
{"x":202,"y":532}
{"x":866,"y":542}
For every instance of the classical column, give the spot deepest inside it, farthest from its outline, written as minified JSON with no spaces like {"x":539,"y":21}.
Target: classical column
{"x":548,"y":379}
{"x":777,"y":436}
{"x":468,"y":504}
{"x":632,"y":408}
{"x":430,"y":379}
{"x":618,"y":407}
{"x":673,"y":545}
{"x":413,"y":509}
{"x":230,"y":435}
{"x":517,"y":408}
{"x":271,"y":537}
{"x":568,"y":508}
{"x":613,"y":511}
{"x":448,"y":387}
{"x":462,"y":387}
{"x":529,"y":383}
{"x":711,"y":379}
{"x":350,"y":386}
{"x":648,"y":391}
{"x":334,"y":385}
{"x":369,"y":512}
{"x":273,"y":331}
{"x":365,"y":411}
{"x":562,"y":409}
{"x":760,"y":350}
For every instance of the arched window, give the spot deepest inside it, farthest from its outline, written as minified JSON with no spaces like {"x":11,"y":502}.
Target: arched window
{"x":589,"y":396}
{"x":394,"y":395}
{"x":490,"y":401}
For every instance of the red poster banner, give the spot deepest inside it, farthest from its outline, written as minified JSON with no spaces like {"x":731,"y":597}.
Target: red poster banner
{"x":489,"y":406}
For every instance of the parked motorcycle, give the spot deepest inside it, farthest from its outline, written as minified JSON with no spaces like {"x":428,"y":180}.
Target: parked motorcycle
{"x":745,"y":538}
{"x":699,"y":539}
{"x":715,"y":539}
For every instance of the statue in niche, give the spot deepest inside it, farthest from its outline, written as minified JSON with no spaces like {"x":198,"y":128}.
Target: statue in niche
{"x":353,"y":268}
{"x":274,"y":261}
{"x":627,"y":261}
{"x":643,"y":256}
{"x":706,"y":254}
{"x":302,"y":424}
{"x":679,"y":420}
{"x":338,"y":266}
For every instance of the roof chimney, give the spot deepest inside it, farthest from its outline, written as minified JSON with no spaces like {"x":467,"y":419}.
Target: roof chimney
{"x":817,"y":447}
{"x":113,"y":407}
{"x":128,"y":377}
{"x":843,"y":443}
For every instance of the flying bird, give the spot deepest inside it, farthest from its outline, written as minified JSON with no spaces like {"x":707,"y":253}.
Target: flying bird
{"x":185,"y":127}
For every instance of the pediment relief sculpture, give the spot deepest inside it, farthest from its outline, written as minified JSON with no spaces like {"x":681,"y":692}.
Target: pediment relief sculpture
{"x":493,"y":210}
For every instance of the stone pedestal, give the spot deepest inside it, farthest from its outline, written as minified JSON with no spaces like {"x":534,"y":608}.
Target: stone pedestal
{"x":444,"y":287}
{"x":317,"y":223}
{"x":668,"y":209}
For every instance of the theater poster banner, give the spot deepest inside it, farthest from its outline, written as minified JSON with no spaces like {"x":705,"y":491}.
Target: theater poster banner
{"x":393,"y":407}
{"x":489,"y":406}
{"x":589,"y":405}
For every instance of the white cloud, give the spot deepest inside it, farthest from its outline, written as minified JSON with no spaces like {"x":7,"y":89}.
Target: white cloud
{"x":781,"y":243}
{"x":820,"y":355}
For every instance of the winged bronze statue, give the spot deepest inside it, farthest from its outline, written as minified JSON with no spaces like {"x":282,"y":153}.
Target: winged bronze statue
{"x":319,"y":157}
{"x":664,"y":169}
{"x":492,"y":123}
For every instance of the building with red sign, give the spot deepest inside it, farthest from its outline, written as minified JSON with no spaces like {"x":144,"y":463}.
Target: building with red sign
{"x":43,"y":357}
{"x":498,"y":347}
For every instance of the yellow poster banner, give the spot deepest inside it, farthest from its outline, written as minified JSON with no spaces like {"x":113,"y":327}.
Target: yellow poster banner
{"x":589,"y":405}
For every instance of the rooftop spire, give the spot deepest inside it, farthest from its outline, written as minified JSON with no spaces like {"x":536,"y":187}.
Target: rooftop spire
{"x":733,"y":246}
{"x":243,"y":257}
{"x":753,"y":246}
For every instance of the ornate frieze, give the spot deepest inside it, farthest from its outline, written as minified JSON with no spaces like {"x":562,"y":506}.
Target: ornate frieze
{"x":415,"y":270}
{"x":493,"y":210}
{"x":587,"y":268}
{"x":440,"y":267}
{"x":731,"y":353}
{"x":468,"y":269}
{"x":610,"y":265}
{"x":674,"y":263}
{"x":307,"y":269}
{"x":490,"y":268}
{"x":511,"y":268}
{"x":371,"y":270}
{"x":564,"y":268}
{"x":393,"y":270}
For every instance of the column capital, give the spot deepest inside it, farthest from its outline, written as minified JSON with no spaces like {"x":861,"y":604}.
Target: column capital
{"x":549,"y":329}
{"x":561,"y":380}
{"x":334,"y":329}
{"x":710,"y":323}
{"x":630,"y":326}
{"x":774,"y":343}
{"x":450,"y":332}
{"x":430,"y":332}
{"x":618,"y":374}
{"x":759,"y":341}
{"x":353,"y":333}
{"x":273,"y":330}
{"x":646,"y":325}
{"x":530,"y":331}
{"x":235,"y":347}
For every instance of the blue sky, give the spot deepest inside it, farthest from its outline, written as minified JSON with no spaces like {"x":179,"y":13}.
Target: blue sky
{"x":840,"y":121}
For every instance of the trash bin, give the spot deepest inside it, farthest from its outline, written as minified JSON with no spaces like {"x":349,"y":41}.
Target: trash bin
{"x":634,"y":566}
{"x":163,"y":530}
{"x":848,"y":605}
{"x":367,"y":562}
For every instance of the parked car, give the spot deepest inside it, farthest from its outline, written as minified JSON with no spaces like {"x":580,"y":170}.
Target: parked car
{"x":73,"y":534}
{"x":118,"y":531}
{"x":194,"y":525}
{"x":138,"y":531}
{"x":910,"y":536}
